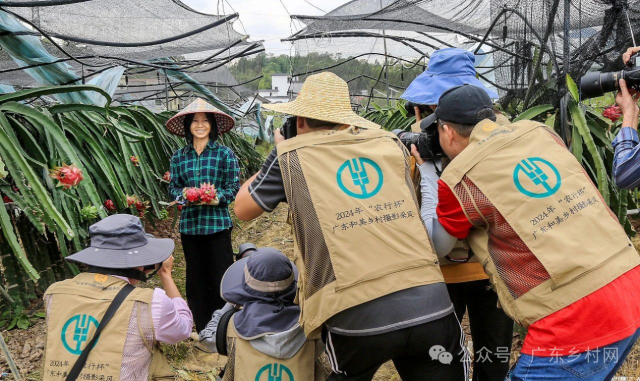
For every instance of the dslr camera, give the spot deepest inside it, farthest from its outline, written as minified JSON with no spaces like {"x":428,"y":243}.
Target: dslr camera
{"x":409,"y":108}
{"x":426,"y":141}
{"x":597,"y":83}
{"x":289,"y":128}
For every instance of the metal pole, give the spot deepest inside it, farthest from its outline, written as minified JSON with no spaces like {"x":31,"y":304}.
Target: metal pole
{"x":7,"y":355}
{"x":386,"y":60}
{"x":543,"y":45}
{"x":166,"y":90}
{"x":565,"y":56}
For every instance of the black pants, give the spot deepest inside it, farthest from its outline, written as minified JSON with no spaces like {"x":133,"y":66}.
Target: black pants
{"x":207,"y":257}
{"x":491,"y":329}
{"x":357,"y":358}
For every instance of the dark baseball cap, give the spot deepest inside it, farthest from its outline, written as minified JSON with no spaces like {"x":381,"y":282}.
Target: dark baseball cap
{"x":466,"y":104}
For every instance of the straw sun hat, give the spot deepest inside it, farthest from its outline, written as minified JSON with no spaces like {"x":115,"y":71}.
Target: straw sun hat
{"x":175,"y":125}
{"x":323,"y":96}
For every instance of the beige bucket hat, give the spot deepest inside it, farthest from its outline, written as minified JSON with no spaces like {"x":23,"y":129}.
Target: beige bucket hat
{"x":175,"y":125}
{"x":323,"y":96}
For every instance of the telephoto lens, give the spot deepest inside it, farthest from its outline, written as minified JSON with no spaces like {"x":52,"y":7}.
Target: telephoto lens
{"x":597,"y":83}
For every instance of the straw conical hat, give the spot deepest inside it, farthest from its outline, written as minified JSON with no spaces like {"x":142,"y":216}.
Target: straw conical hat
{"x":175,"y":125}
{"x":323,"y":96}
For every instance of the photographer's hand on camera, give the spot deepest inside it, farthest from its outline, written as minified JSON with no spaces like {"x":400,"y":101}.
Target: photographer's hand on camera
{"x":168,"y":285}
{"x":627,"y":55}
{"x":278,"y":137}
{"x":628,"y":101}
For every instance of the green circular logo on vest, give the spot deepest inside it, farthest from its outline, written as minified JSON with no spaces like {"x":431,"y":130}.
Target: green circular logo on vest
{"x":536,"y":177}
{"x":360,"y":178}
{"x":274,"y":372}
{"x":76,"y":331}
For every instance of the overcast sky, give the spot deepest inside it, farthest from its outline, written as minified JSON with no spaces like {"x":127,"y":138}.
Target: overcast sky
{"x":267,"y":19}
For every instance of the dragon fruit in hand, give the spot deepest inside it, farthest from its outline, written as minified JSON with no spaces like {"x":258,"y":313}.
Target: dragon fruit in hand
{"x":191,"y":194}
{"x":208,"y":193}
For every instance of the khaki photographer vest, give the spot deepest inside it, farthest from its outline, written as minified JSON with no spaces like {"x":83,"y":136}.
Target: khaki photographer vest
{"x":74,"y":315}
{"x":357,"y":228}
{"x":543,"y":193}
{"x":251,"y":364}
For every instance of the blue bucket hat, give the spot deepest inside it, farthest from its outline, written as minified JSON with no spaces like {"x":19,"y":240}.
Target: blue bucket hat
{"x":448,"y":68}
{"x":265,"y":285}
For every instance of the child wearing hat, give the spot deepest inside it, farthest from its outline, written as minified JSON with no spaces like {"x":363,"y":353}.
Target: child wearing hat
{"x":98,"y":325}
{"x":258,"y":327}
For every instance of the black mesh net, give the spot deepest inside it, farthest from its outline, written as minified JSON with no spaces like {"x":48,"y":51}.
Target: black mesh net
{"x":532,"y":43}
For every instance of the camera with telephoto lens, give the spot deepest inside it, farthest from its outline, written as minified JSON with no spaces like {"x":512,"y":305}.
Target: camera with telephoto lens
{"x":597,"y":83}
{"x":289,"y":128}
{"x":245,"y":250}
{"x":426,"y":141}
{"x":410,"y":108}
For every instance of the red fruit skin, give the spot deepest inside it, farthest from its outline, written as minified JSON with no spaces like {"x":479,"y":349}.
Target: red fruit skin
{"x":167,"y":176}
{"x":612,"y":112}
{"x":68,"y":175}
{"x":109,"y":205}
{"x":6,"y":199}
{"x":140,"y":206}
{"x":135,"y":161}
{"x":192,"y":194}
{"x":180,"y":207}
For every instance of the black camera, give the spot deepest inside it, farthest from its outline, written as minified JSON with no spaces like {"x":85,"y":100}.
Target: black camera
{"x":427,"y":142}
{"x":597,"y":83}
{"x":289,"y":128}
{"x":410,"y":108}
{"x":153,"y":267}
{"x":245,"y":250}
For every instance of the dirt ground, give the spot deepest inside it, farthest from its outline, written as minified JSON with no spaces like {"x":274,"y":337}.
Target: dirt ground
{"x":27,"y":346}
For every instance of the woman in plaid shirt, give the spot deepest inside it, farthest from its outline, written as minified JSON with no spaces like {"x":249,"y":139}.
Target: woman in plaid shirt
{"x":205,"y":229}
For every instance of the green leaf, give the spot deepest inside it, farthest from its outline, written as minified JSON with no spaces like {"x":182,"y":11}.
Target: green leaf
{"x":579,"y":121}
{"x":64,"y":108}
{"x":40,"y":314}
{"x":9,"y":234}
{"x":576,"y":144}
{"x":3,"y":172}
{"x":573,"y":88}
{"x":48,"y":90}
{"x":23,"y":322}
{"x":12,"y":324}
{"x":533,"y":112}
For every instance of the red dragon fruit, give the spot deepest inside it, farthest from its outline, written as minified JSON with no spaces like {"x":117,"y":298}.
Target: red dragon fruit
{"x":167,"y":176}
{"x":191,"y":194}
{"x":207,"y":193}
{"x":109,"y":205}
{"x":6,"y":199}
{"x":180,"y":207}
{"x":67,"y":175}
{"x":135,"y":161}
{"x":140,"y":206}
{"x":131,"y":200}
{"x":612,"y":112}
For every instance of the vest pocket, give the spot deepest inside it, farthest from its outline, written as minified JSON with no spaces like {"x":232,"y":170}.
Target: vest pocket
{"x":558,"y":285}
{"x":347,"y":275}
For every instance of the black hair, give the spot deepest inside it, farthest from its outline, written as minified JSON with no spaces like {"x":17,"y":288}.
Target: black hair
{"x":188,"y":119}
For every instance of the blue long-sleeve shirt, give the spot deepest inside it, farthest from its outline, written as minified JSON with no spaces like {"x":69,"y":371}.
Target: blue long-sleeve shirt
{"x":626,"y":161}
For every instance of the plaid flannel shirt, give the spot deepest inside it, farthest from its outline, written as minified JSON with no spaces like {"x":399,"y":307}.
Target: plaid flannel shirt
{"x":216,"y":165}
